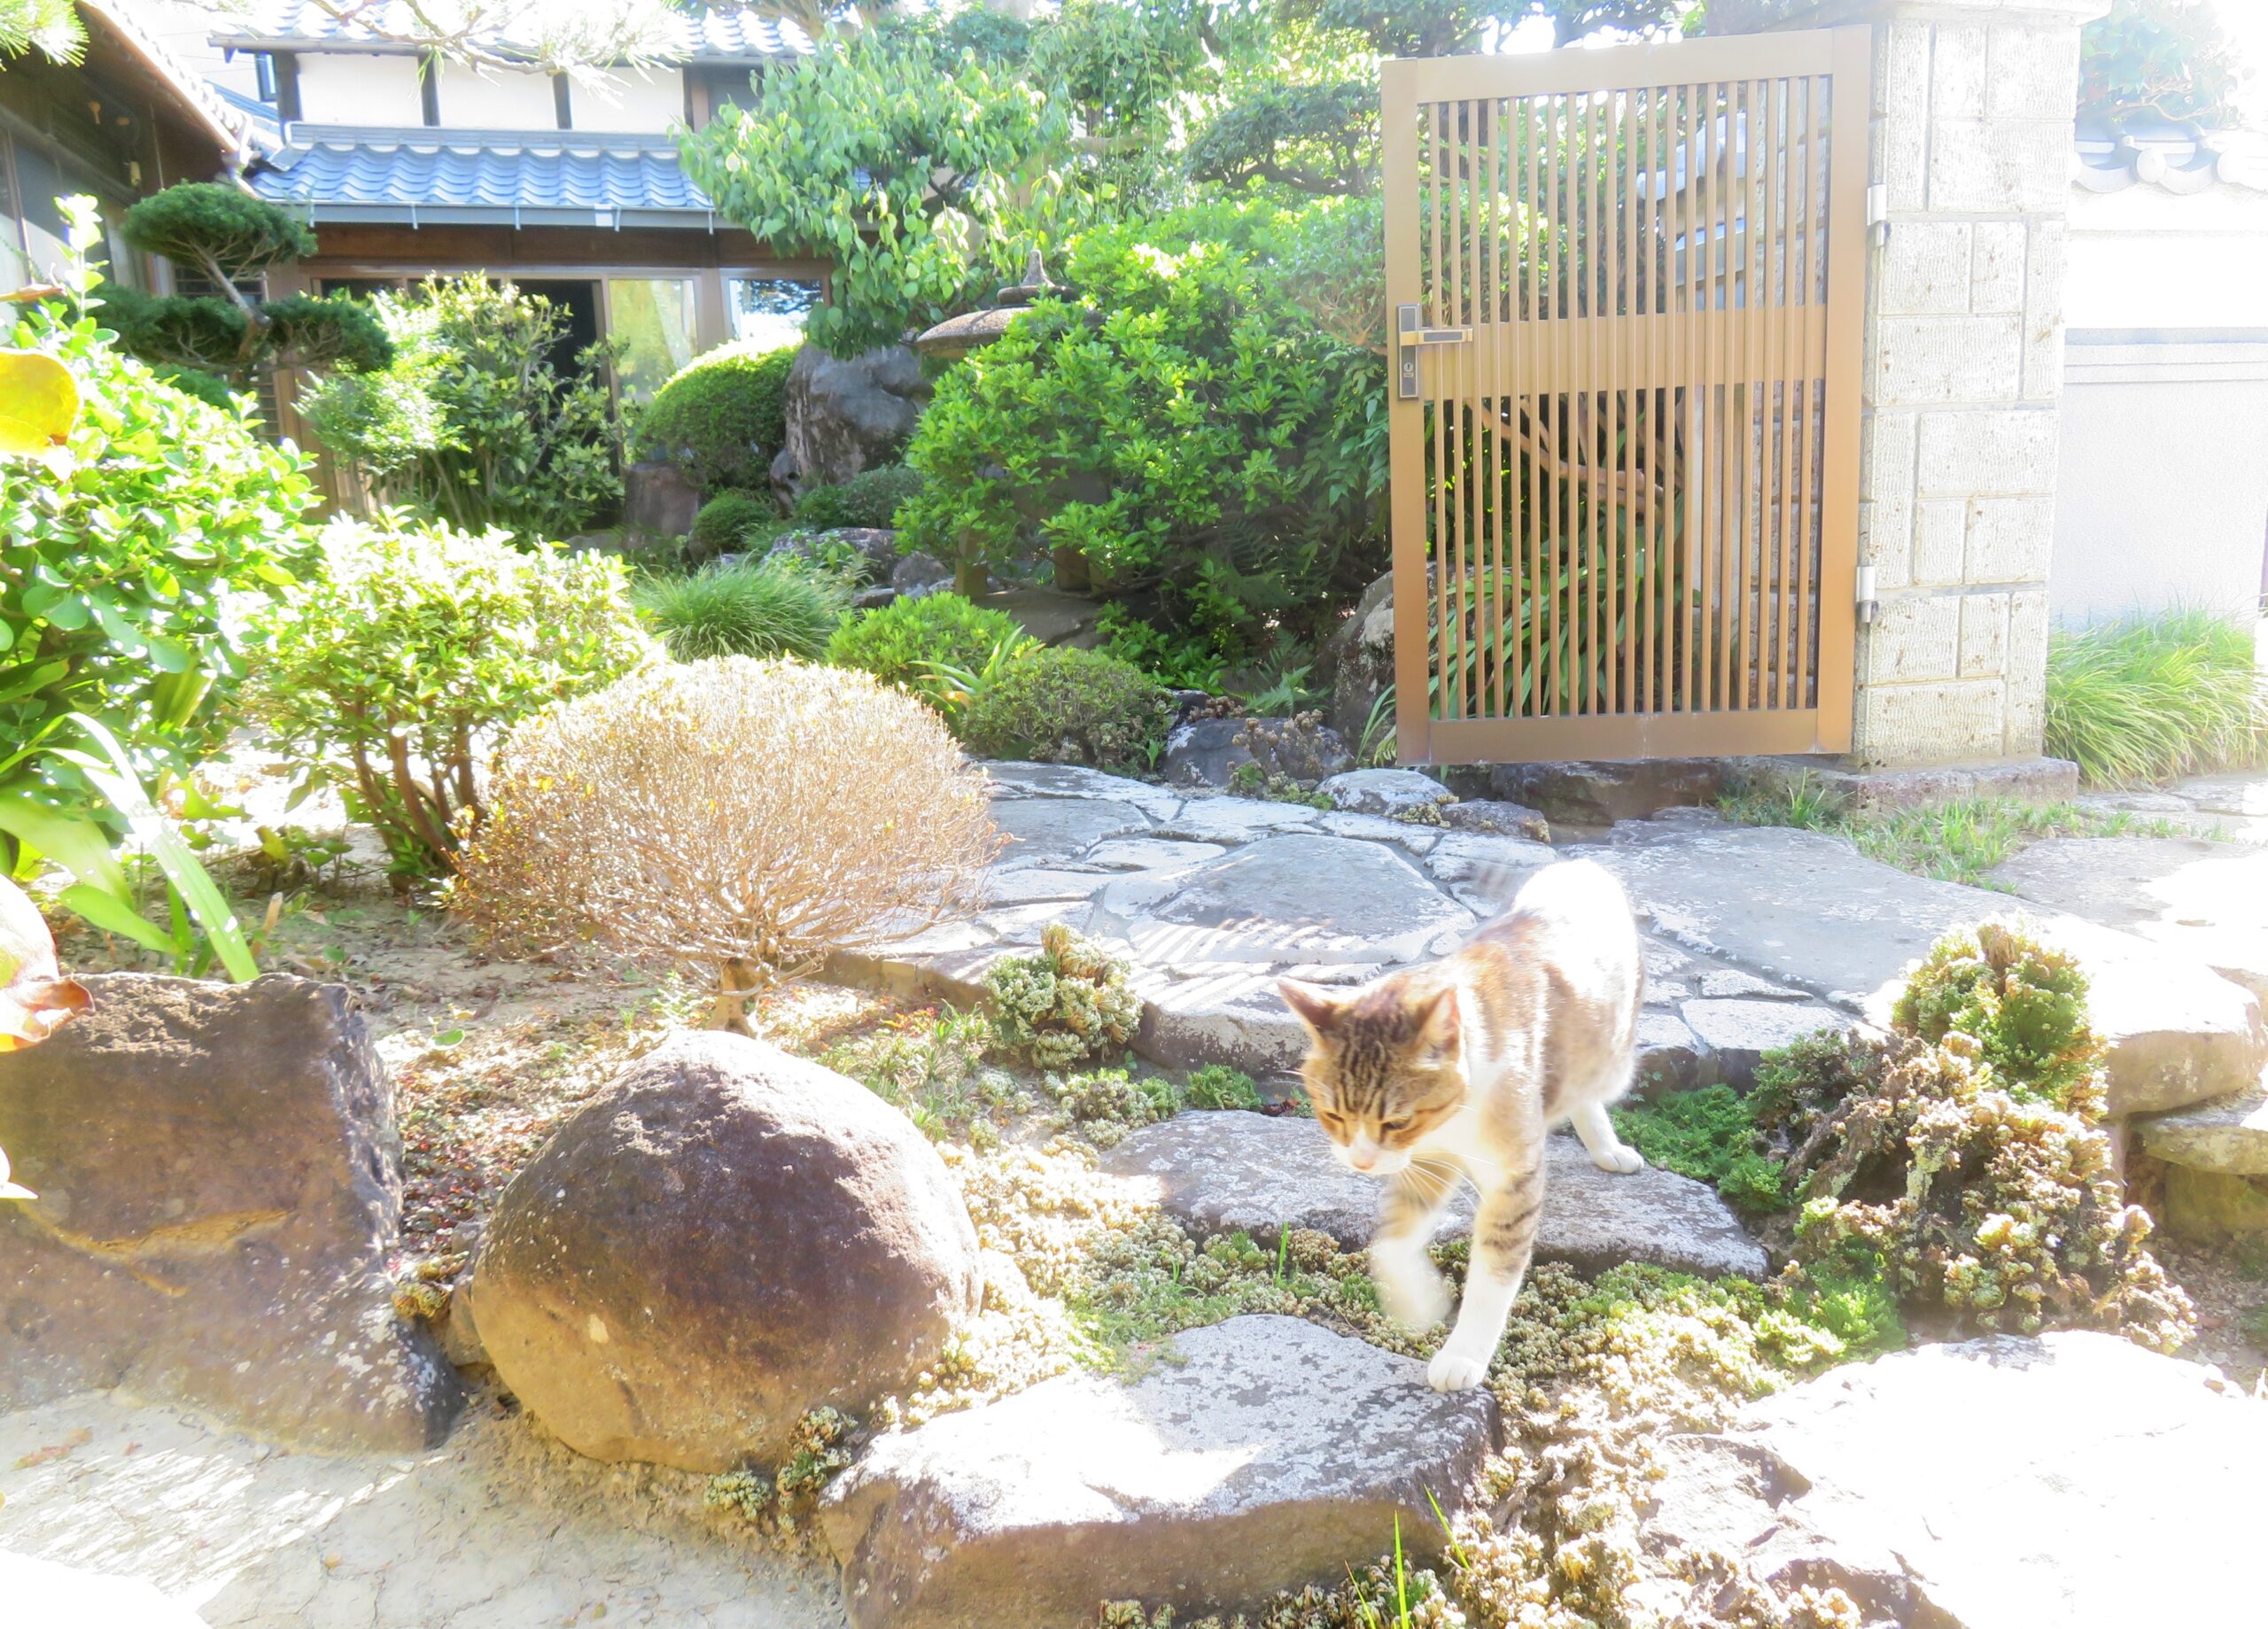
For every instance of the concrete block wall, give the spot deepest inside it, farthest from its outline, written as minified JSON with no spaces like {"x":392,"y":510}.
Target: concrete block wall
{"x":1971,"y":143}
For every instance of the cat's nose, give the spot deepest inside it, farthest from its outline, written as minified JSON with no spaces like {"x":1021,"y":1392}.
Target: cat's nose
{"x":1363,"y":1154}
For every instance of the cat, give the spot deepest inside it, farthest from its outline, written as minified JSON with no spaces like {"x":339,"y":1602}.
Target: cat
{"x":1454,"y":1070}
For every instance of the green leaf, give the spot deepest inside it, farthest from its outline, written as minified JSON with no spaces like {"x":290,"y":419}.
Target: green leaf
{"x":115,"y":915}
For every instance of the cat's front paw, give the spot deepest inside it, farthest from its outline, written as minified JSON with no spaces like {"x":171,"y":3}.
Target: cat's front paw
{"x":1452,"y":1371}
{"x":1412,"y":1292}
{"x":1620,"y":1158}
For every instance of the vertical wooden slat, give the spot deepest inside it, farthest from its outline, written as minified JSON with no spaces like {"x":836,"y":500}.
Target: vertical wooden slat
{"x":1532,"y":333}
{"x":1555,"y":338}
{"x":1496,"y":278}
{"x":1632,"y":121}
{"x":1801,"y":278}
{"x":1408,"y":483}
{"x":1754,"y":302}
{"x":1584,"y":582}
{"x":1781,"y":401}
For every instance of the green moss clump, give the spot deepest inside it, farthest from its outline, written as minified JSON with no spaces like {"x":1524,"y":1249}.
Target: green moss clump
{"x":782,"y":1502}
{"x":870,"y":498}
{"x":723,"y":522}
{"x":1711,"y":1136}
{"x":1218,"y":1086}
{"x":1065,"y":1004}
{"x":2023,"y":1004}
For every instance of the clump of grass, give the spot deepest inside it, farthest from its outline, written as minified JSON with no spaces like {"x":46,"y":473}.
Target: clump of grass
{"x":751,"y":608}
{"x":2148,"y":699}
{"x":1710,"y":1135}
{"x":1958,"y":841}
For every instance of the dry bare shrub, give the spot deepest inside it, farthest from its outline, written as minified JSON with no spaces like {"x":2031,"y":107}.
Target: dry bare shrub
{"x":732,"y":817}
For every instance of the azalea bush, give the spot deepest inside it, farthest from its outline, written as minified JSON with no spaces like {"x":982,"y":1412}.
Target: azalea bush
{"x":1065,"y":706}
{"x":1178,"y":426}
{"x":388,"y":671}
{"x":903,"y":642}
{"x":722,"y":417}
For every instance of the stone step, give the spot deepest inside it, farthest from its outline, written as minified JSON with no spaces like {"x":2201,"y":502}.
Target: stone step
{"x":2229,"y":1136}
{"x":1227,"y":1171}
{"x":2208,"y":901}
{"x":1263,"y":1454}
{"x":1805,"y":909}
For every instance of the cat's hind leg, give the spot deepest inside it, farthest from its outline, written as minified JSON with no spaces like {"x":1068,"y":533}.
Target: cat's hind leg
{"x":1410,"y":1285}
{"x":1504,"y":1239}
{"x":1608,"y":1151}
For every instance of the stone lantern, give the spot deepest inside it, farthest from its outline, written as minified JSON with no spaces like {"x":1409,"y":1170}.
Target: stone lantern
{"x":956,"y":337}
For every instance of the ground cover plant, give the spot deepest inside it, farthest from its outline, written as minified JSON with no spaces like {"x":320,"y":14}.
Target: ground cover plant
{"x":748,"y":608}
{"x":2152,"y":698}
{"x":1959,"y":841}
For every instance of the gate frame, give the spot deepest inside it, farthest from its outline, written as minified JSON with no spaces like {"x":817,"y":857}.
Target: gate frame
{"x":1846,"y":56}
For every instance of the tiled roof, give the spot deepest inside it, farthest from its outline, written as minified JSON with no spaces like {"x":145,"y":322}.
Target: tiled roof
{"x":719,"y":33}
{"x":2171,"y":157}
{"x":200,"y":101}
{"x":492,"y":176}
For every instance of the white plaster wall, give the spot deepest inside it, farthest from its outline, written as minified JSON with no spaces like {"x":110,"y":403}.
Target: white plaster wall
{"x":649,"y":101}
{"x":2162,"y":478}
{"x":351,"y":88}
{"x":471,"y":100}
{"x":2147,"y":258}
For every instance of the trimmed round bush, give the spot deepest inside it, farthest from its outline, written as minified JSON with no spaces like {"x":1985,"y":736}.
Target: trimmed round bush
{"x":749,"y":609}
{"x":723,"y":415}
{"x":722,"y":523}
{"x":895,"y":643}
{"x":1064,"y":706}
{"x":735,"y":818}
{"x":870,"y":498}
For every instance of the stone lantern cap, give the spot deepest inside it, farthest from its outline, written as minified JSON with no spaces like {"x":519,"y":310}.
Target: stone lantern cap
{"x":957,"y":337}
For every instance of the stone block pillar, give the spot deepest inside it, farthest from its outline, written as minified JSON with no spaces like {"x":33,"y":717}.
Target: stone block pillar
{"x":1971,"y":146}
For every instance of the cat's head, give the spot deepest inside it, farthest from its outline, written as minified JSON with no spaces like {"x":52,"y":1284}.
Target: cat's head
{"x":1385,"y":1065}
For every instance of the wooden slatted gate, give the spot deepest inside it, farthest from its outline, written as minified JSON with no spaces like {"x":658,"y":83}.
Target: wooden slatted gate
{"x":1625,"y":289}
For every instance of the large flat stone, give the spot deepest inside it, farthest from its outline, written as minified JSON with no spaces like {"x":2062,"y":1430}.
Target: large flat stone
{"x":1224,"y":1171}
{"x":2208,"y":901}
{"x":1739,"y":1032}
{"x":1268,"y":1453}
{"x":1805,"y":909}
{"x":2070,"y":1482}
{"x":2230,"y":1137}
{"x":1232,"y":1016}
{"x":1048,"y":831}
{"x":1235,"y":819}
{"x":1286,"y":900}
{"x":1072,"y":780}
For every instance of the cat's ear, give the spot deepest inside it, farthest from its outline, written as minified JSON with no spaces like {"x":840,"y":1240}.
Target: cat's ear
{"x":1437,"y":1021}
{"x":1318,"y":1011}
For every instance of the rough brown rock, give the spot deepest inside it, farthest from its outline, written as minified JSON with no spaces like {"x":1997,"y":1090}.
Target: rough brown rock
{"x":725,"y":1237}
{"x":846,"y":414}
{"x":219,"y":1183}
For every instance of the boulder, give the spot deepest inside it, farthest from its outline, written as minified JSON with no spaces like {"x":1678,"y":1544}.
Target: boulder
{"x":1397,"y":794}
{"x":918,"y":574}
{"x":1303,"y":749}
{"x":2070,"y":1482}
{"x":1357,"y":660}
{"x":1049,"y":615}
{"x":1265,"y":1454}
{"x":846,"y":414}
{"x":1228,"y":1171}
{"x":658,"y":498}
{"x":2230,"y":1137}
{"x":873,"y":547}
{"x":218,"y":1172}
{"x":1204,"y":752}
{"x":1496,"y":816}
{"x":724,"y":1239}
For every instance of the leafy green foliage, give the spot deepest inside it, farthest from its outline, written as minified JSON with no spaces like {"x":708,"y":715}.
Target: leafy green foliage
{"x":787,"y":1499}
{"x":1710,"y":1135}
{"x":722,"y":523}
{"x":898,"y":643}
{"x":51,"y":26}
{"x":919,"y":173}
{"x":1065,"y":1004}
{"x":384,"y":672}
{"x":228,"y":238}
{"x":1067,"y":706}
{"x":930,"y":1067}
{"x":723,"y":415}
{"x":1184,"y":662}
{"x":1109,"y":1104}
{"x":1218,"y":1086}
{"x":748,"y":609}
{"x":2151,"y":61}
{"x":952,"y":688}
{"x":2022,"y":1004}
{"x":1179,"y":423}
{"x":472,"y":423}
{"x":870,"y":498}
{"x":118,"y":556}
{"x":2148,"y":699}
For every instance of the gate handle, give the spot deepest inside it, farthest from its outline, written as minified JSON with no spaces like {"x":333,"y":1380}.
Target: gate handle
{"x":1412,"y":333}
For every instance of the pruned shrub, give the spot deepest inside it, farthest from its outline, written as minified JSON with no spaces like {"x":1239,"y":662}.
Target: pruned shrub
{"x":869,"y":497}
{"x":722,"y":523}
{"x":747,"y":609}
{"x":1067,"y":1004}
{"x":386,"y":670}
{"x":1064,"y":706}
{"x":722,"y":416}
{"x":2023,"y":1004}
{"x":732,"y":817}
{"x":900,"y":642}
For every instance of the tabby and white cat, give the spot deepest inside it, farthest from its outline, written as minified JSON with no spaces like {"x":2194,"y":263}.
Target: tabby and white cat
{"x":1456,"y":1070}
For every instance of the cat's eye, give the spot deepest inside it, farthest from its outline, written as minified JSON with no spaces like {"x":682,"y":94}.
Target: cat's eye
{"x":1400,"y":1123}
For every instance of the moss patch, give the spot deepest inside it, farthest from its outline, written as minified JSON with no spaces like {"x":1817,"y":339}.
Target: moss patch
{"x":1710,"y":1135}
